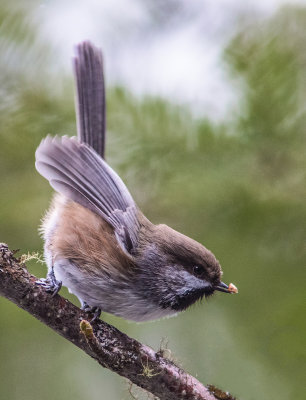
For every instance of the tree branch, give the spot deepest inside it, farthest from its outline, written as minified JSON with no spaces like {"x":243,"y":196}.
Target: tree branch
{"x":106,"y":344}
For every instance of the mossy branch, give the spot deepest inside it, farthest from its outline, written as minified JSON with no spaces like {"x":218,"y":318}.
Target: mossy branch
{"x":107,"y":345}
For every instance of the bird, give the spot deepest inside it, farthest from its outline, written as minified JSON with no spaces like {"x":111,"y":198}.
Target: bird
{"x":97,"y":242}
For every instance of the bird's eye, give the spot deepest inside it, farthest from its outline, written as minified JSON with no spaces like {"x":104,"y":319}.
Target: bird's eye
{"x":198,"y":270}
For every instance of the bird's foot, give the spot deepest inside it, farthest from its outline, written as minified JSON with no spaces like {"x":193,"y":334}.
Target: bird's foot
{"x":50,"y":284}
{"x":96,"y":311}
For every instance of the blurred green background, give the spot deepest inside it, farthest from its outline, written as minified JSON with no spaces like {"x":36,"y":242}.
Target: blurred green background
{"x":237,"y":184}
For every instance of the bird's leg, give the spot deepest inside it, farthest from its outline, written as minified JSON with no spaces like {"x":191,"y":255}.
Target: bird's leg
{"x":96,"y":311}
{"x":50,"y":283}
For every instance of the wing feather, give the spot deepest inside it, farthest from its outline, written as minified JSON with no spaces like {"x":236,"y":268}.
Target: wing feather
{"x":75,"y":170}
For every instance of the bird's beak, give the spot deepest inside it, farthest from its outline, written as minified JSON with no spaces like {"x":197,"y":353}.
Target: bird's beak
{"x":222,"y":287}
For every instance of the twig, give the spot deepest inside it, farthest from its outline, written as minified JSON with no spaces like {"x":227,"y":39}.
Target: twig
{"x":106,"y":344}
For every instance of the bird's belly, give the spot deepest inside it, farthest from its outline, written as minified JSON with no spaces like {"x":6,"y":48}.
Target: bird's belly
{"x":114,"y":297}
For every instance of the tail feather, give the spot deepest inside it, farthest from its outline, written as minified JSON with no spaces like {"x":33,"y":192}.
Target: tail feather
{"x":90,"y":96}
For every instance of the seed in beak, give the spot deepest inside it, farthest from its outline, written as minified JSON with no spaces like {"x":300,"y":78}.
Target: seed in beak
{"x":222,"y":287}
{"x":232,"y":288}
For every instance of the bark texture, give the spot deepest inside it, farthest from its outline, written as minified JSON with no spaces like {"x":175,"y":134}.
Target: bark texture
{"x":107,"y":345}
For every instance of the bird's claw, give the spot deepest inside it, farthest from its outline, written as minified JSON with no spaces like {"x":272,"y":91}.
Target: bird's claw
{"x":50,"y":284}
{"x":96,"y":311}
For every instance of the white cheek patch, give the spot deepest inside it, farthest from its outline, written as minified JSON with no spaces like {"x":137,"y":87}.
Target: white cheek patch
{"x":184,"y":280}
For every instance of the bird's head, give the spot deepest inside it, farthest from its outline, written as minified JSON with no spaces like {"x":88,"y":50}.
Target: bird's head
{"x":183,"y":270}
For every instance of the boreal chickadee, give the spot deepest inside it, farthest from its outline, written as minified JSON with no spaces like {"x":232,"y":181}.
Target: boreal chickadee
{"x":97,"y":241}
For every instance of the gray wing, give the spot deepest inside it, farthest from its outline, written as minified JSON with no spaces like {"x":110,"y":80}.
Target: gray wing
{"x":79,"y":173}
{"x":90,"y":96}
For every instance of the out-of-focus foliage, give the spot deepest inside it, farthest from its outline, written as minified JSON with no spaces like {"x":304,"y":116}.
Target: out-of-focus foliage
{"x":239,"y":187}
